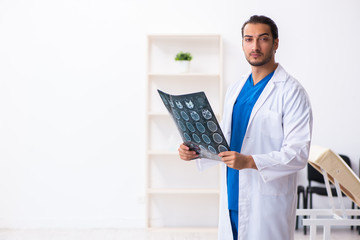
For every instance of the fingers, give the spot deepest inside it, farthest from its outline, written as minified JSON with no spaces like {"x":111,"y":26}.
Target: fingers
{"x":230,"y":164}
{"x":184,"y":147}
{"x":237,"y":160}
{"x":227,"y":155}
{"x":186,"y":154}
{"x":228,"y":158}
{"x":228,"y":161}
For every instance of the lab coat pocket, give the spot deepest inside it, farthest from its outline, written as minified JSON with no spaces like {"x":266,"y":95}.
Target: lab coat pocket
{"x":272,"y":124}
{"x":279,"y":186}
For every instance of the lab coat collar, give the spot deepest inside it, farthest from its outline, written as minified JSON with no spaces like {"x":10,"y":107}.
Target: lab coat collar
{"x":280,"y":75}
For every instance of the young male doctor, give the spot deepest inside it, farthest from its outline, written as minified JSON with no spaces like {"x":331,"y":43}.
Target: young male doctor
{"x":268,"y":122}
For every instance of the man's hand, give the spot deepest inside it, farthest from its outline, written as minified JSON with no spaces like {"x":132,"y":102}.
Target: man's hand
{"x":237,"y":160}
{"x":186,"y":154}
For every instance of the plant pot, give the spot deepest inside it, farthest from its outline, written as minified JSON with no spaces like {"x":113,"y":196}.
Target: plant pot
{"x":183,"y":66}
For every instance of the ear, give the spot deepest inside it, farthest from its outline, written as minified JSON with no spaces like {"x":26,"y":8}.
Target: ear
{"x":276,"y":44}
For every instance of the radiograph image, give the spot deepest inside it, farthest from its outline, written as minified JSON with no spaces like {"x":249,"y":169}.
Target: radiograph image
{"x":196,"y":122}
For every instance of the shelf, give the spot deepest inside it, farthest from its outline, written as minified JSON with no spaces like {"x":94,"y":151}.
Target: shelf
{"x":212,"y":75}
{"x":184,"y":36}
{"x":159,"y":114}
{"x":183,"y":191}
{"x":163,"y":153}
{"x":182,"y":229}
{"x":171,"y":181}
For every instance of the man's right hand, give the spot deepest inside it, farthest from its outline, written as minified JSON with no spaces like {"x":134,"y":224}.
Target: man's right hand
{"x":186,"y":154}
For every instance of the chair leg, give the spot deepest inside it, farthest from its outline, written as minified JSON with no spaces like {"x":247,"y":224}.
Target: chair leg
{"x":358,"y":227}
{"x":297,"y":216}
{"x":297,"y":222}
{"x":352,"y":217}
{"x":305,"y":207}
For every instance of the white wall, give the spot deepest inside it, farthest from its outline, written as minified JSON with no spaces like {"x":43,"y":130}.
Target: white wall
{"x":72,"y":84}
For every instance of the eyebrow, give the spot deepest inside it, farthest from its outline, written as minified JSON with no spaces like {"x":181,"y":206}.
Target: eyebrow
{"x":263,"y":34}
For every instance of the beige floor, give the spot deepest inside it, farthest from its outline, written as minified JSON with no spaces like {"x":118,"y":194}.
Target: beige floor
{"x":140,"y":234}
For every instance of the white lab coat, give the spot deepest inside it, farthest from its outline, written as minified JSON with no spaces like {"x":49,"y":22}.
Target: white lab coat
{"x":278,"y":137}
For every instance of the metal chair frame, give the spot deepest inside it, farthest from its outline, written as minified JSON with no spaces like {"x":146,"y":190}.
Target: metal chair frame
{"x":331,"y":216}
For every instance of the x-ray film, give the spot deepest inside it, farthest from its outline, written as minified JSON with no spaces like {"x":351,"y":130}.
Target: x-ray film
{"x":197,"y":124}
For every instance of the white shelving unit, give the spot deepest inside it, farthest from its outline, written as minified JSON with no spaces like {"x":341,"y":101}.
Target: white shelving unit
{"x":178,"y":195}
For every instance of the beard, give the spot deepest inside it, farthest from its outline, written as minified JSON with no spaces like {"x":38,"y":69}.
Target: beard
{"x":261,"y":63}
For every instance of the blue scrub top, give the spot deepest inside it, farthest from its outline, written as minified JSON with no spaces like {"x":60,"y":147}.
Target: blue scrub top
{"x":240,"y":119}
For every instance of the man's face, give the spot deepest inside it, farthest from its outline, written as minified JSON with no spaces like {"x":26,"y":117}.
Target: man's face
{"x":258,"y":44}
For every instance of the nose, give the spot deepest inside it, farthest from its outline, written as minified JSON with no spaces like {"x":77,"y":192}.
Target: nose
{"x":255,"y":45}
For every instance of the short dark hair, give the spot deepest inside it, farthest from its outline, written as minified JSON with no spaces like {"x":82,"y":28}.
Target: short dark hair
{"x":264,"y":20}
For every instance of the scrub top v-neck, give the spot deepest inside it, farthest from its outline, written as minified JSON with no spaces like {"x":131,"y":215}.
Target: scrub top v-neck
{"x":240,"y":119}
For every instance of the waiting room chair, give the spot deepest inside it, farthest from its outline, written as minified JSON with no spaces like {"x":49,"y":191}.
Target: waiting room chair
{"x":315,"y":176}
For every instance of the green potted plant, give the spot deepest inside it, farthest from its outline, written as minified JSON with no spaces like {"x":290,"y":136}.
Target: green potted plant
{"x":183,"y":59}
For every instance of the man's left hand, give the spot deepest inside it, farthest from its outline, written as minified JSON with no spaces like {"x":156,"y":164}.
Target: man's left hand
{"x":237,"y":160}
